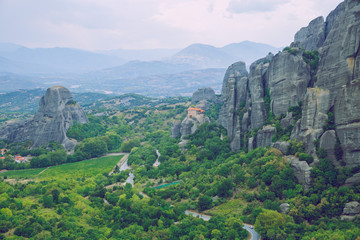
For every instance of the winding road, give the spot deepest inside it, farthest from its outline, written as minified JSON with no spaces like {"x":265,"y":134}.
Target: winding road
{"x":124,"y":166}
{"x":247,"y":227}
{"x":157,"y":162}
{"x":251,"y":230}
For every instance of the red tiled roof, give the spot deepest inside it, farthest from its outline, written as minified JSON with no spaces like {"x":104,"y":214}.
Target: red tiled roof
{"x":196,"y":109}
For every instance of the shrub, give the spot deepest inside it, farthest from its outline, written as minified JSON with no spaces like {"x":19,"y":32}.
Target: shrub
{"x":292,"y":51}
{"x":306,"y":157}
{"x":295,"y":147}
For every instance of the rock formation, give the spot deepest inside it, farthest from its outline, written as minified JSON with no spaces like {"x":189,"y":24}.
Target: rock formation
{"x":57,"y":112}
{"x":203,"y":98}
{"x":284,"y":208}
{"x":312,"y":37}
{"x":175,"y":129}
{"x":288,"y":77}
{"x":351,"y":210}
{"x":301,"y":171}
{"x":320,"y":74}
{"x":257,"y":81}
{"x":264,"y":136}
{"x":234,"y":97}
{"x":314,"y":116}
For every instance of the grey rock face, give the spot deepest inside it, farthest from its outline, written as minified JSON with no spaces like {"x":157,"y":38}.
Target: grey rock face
{"x":327,"y":142}
{"x":57,"y":112}
{"x":251,"y":144}
{"x":301,"y":171}
{"x":339,"y":55}
{"x":352,"y":208}
{"x":284,"y":207}
{"x":282,"y":146}
{"x":264,"y":136}
{"x":347,"y":120}
{"x":355,"y":179}
{"x":234,"y":95}
{"x":257,"y":83}
{"x":314,"y":116}
{"x":203,"y":94}
{"x":313,"y":36}
{"x":287,"y":120}
{"x":189,"y":125}
{"x":288,"y":77}
{"x":175,"y":129}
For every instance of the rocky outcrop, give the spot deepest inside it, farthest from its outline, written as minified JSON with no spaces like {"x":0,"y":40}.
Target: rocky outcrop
{"x":328,"y":86}
{"x":351,"y":181}
{"x":339,"y":55}
{"x":257,"y":82}
{"x":282,"y":146}
{"x":57,"y":112}
{"x":264,"y":136}
{"x":314,"y":117}
{"x":287,"y":121}
{"x":284,"y":208}
{"x":301,"y":171}
{"x":203,"y":98}
{"x":251,"y":144}
{"x":327,"y":142}
{"x":312,"y":37}
{"x":351,"y":210}
{"x":287,"y":80}
{"x":347,"y":120}
{"x":234,"y":97}
{"x":201,"y":94}
{"x":190,"y":124}
{"x":175,"y":129}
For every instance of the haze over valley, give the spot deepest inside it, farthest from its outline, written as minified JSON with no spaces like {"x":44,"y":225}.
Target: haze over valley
{"x":155,"y":119}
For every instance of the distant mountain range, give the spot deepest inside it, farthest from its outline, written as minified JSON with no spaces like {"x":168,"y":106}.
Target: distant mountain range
{"x":205,"y":56}
{"x":124,"y":71}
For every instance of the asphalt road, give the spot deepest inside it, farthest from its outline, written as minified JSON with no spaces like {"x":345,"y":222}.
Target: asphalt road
{"x":202,"y":216}
{"x":251,"y":230}
{"x":124,"y":166}
{"x":247,"y":227}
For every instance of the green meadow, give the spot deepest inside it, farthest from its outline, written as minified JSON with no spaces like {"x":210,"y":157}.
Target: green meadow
{"x":86,"y":168}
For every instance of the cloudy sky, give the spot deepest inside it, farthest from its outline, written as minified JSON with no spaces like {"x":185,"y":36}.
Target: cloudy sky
{"x":146,"y":24}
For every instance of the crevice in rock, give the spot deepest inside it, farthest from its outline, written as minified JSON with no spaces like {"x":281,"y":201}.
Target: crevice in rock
{"x":355,"y":62}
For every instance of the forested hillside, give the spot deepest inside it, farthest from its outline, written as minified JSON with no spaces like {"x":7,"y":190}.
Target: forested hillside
{"x":277,"y":154}
{"x":82,"y":200}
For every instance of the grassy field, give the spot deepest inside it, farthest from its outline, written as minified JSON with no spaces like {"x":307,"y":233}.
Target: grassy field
{"x":25,"y":173}
{"x":85,"y":168}
{"x":233,"y":206}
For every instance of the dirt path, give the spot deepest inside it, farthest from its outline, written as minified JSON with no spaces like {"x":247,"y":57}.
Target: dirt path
{"x":43,"y":170}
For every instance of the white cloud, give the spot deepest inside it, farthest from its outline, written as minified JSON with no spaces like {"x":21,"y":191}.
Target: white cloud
{"x":94,"y":24}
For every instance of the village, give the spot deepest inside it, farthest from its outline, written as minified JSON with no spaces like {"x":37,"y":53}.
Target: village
{"x":16,"y":158}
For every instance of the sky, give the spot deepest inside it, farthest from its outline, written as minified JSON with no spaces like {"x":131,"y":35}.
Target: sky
{"x":148,"y":24}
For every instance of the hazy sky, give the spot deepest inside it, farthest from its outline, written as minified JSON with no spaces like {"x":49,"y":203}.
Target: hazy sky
{"x":144,"y":24}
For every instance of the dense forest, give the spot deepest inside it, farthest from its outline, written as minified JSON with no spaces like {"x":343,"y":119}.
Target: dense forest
{"x":65,"y":196}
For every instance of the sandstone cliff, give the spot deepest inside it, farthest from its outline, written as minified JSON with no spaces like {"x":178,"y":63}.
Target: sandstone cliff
{"x":311,"y":89}
{"x":57,"y":112}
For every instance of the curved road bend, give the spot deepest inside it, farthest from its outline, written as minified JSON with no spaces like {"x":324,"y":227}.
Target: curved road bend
{"x":247,"y":227}
{"x":251,"y":230}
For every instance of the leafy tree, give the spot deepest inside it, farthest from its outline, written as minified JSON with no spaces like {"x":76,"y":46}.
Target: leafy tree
{"x":204,"y":202}
{"x":271,"y":224}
